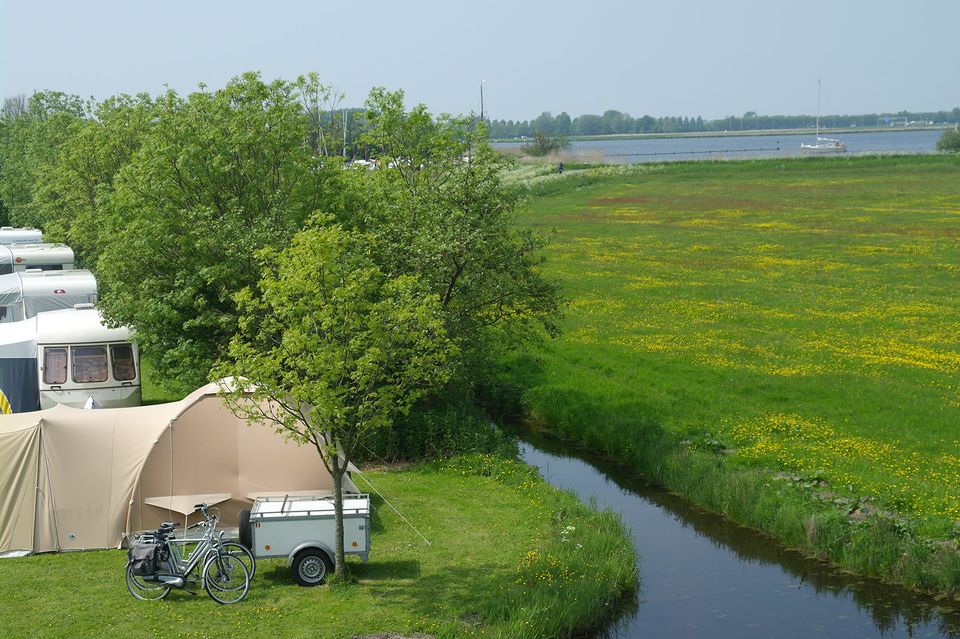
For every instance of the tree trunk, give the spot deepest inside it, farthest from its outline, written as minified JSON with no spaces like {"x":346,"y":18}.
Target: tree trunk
{"x":340,"y":569}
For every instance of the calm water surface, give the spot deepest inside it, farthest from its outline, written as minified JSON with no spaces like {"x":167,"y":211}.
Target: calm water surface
{"x":744,"y":147}
{"x":702,"y":576}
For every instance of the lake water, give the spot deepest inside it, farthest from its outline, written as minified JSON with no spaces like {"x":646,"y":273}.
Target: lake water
{"x":702,"y":576}
{"x":742,"y":147}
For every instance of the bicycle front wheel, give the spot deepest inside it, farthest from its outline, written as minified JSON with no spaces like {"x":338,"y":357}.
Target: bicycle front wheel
{"x":242,"y":553}
{"x":225,"y":578}
{"x":145,"y":590}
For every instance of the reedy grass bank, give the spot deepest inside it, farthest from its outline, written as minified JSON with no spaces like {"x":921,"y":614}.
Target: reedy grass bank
{"x":776,"y":340}
{"x":509,"y":557}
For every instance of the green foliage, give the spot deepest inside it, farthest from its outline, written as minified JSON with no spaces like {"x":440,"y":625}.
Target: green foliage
{"x":543,"y":144}
{"x":439,"y":210}
{"x":29,"y":144}
{"x":337,"y":347}
{"x":72,"y":195}
{"x":438,"y":429}
{"x":169,"y":199}
{"x":342,"y":346}
{"x":949,"y":141}
{"x":4,"y":143}
{"x":218,"y":176}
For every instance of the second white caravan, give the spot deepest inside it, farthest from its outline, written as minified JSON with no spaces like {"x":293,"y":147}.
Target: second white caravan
{"x":23,"y":294}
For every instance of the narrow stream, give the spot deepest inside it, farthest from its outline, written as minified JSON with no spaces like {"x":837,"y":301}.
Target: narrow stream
{"x":702,"y":576}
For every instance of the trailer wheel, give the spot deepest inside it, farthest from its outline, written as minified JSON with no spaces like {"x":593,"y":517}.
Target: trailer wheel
{"x":246,"y":534}
{"x":310,"y":567}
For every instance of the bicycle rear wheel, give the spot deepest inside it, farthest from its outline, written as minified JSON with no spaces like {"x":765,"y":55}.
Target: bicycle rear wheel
{"x":145,"y":590}
{"x":225,"y":578}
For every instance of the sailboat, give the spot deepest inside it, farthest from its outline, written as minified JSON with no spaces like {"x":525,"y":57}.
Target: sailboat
{"x":823,"y":146}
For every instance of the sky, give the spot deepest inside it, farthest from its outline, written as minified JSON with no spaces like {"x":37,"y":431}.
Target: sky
{"x":711,"y":58}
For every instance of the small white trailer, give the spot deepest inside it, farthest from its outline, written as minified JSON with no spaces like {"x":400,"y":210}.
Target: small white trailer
{"x":302,"y":529}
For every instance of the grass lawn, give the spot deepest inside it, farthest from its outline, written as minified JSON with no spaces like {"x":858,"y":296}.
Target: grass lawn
{"x":499,"y":565}
{"x":799,"y":315}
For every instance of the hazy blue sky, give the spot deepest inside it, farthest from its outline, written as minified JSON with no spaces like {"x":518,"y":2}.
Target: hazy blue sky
{"x":686,"y":57}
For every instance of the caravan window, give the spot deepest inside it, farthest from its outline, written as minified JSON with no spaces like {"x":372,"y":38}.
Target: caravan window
{"x":54,"y":365}
{"x":124,"y":367}
{"x":89,"y":363}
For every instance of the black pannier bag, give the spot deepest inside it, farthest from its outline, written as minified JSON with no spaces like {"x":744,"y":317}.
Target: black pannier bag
{"x":143,"y":558}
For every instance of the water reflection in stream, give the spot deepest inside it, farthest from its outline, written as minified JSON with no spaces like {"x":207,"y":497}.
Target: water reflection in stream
{"x":702,"y":576}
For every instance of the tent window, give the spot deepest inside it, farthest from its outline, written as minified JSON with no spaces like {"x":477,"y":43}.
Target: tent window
{"x":124,"y":367}
{"x":54,"y":365}
{"x":89,"y":364}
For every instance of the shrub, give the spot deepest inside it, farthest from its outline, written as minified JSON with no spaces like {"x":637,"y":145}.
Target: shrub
{"x":543,"y":144}
{"x":949,"y":141}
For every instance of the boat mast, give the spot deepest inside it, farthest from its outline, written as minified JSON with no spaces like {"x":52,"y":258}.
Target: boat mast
{"x":818,"y":109}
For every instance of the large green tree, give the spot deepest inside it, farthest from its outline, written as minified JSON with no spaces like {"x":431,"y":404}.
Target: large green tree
{"x":439,"y":210}
{"x":334,"y":349}
{"x":72,"y":199}
{"x":217,"y":176}
{"x":31,"y":139}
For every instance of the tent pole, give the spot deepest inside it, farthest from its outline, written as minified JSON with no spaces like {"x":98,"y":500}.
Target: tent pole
{"x":39,"y":491}
{"x":170,"y":491}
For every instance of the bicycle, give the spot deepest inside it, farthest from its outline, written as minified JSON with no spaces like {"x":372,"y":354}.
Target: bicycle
{"x":157,"y":564}
{"x":240,"y":551}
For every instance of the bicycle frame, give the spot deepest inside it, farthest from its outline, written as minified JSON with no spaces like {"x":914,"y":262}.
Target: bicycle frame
{"x":176,"y":567}
{"x":182,"y":566}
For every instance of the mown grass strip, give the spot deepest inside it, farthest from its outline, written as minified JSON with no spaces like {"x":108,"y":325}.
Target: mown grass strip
{"x":510,"y":557}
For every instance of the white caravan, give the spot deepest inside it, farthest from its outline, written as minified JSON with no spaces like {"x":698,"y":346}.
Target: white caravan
{"x":23,"y":294}
{"x":80,"y":358}
{"x":67,"y":357}
{"x":9,"y":235}
{"x":44,"y":256}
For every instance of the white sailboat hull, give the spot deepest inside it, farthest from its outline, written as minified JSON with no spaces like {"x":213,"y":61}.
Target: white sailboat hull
{"x":824,"y":146}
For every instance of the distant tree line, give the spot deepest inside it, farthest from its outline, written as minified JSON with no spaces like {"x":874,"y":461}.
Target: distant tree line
{"x":618,"y":123}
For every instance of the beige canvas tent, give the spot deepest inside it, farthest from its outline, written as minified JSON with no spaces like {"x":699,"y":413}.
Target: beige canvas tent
{"x":73,"y":479}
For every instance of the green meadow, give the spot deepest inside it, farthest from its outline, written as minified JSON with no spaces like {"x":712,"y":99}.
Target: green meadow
{"x":794,"y":322}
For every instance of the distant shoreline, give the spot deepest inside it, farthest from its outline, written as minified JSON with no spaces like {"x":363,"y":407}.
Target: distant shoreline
{"x":752,"y":132}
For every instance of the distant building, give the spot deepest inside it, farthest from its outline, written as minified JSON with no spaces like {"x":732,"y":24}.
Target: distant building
{"x":891,"y":120}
